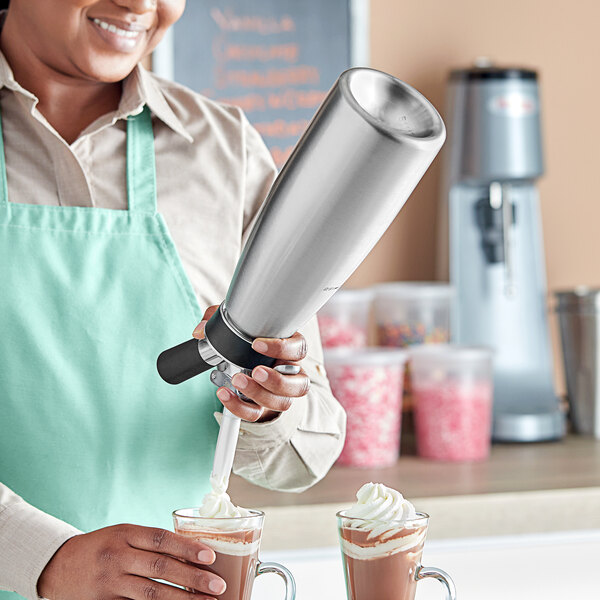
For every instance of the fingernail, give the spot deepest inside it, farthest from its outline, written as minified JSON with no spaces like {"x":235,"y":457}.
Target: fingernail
{"x":199,"y":331}
{"x":223,"y":395}
{"x":239,"y":381}
{"x":260,"y":375}
{"x":217,"y":586}
{"x":259,"y":346}
{"x":206,"y":556}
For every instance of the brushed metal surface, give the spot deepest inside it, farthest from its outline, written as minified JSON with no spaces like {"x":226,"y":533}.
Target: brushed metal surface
{"x":363,"y":153}
{"x":579,"y":318}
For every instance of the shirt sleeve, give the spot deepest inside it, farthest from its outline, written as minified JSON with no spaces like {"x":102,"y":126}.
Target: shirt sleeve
{"x":297,"y":448}
{"x":28,"y":540}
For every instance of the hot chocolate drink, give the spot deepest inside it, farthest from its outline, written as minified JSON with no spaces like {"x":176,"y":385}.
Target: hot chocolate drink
{"x":382,"y":567}
{"x":236,"y":554}
{"x":381,"y":539}
{"x":234,"y":534}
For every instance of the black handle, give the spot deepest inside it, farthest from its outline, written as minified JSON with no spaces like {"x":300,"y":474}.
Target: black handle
{"x":181,"y":362}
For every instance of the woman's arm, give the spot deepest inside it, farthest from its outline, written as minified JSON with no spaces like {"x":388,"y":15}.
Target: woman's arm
{"x":28,"y":539}
{"x":43,"y":556}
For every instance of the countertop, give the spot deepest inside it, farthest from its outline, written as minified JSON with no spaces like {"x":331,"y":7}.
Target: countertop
{"x":521,"y":488}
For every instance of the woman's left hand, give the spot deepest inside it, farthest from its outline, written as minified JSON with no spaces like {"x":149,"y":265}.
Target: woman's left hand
{"x":271,"y":391}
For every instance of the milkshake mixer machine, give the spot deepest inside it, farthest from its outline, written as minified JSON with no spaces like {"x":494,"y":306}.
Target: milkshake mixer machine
{"x":363,"y":153}
{"x":496,"y":258}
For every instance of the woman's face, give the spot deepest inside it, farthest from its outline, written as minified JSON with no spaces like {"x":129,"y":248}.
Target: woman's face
{"x":99,"y":40}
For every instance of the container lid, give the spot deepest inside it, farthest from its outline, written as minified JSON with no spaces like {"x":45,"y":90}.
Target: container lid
{"x":455,"y":354}
{"x":351,"y":295}
{"x":581,"y":298}
{"x":492,"y":73}
{"x":374,"y":356}
{"x":415,"y":290}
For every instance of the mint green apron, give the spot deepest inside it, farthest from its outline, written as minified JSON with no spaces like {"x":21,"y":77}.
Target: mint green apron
{"x":89,"y":297}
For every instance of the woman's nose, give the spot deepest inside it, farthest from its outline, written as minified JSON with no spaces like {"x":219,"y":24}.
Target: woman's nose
{"x":137,"y":6}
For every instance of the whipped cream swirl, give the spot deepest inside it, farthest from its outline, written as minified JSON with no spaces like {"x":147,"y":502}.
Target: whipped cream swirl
{"x":218,"y":504}
{"x":380,"y":507}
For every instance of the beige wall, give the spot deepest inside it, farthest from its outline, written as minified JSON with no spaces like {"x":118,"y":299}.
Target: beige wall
{"x":419,"y":41}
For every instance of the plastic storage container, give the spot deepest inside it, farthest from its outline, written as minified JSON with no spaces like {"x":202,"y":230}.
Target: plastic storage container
{"x":452,"y":391}
{"x":368,"y":384}
{"x":412,"y":313}
{"x":344,"y":319}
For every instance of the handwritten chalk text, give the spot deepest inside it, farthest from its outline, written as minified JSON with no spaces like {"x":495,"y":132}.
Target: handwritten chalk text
{"x":300,"y":75}
{"x":227,"y":20}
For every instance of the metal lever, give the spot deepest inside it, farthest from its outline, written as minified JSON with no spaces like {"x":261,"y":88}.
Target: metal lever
{"x":500,"y":200}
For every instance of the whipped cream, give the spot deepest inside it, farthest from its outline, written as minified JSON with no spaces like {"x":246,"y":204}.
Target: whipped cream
{"x":377,"y":502}
{"x":218,"y":505}
{"x":223,"y":544}
{"x":384,"y":511}
{"x":402,"y":544}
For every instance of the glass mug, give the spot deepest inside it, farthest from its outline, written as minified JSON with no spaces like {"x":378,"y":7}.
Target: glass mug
{"x":235,"y":541}
{"x":383,"y":561}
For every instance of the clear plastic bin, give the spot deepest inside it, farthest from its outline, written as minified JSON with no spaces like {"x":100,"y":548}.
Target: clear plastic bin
{"x":412,"y":313}
{"x":368,"y":384}
{"x":344,"y":319}
{"x":452,"y":392}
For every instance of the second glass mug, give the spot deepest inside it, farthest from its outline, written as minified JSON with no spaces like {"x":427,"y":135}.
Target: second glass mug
{"x":383,"y":561}
{"x":235,"y":541}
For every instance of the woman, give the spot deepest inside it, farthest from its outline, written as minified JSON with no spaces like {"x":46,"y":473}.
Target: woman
{"x":124,"y":204}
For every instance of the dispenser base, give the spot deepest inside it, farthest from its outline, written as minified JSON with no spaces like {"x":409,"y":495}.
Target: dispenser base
{"x":528,"y":427}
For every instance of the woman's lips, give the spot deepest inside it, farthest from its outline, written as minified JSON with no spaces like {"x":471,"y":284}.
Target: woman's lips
{"x":122,"y":37}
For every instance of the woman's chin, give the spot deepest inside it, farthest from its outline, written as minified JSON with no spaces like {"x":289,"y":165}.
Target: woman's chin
{"x":108,"y":71}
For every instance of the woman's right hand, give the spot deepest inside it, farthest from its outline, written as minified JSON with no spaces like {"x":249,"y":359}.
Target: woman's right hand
{"x":123,"y":560}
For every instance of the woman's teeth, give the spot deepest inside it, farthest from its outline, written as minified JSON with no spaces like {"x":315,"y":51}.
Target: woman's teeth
{"x":114,"y":29}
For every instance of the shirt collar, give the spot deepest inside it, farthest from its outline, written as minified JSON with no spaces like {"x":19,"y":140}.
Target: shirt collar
{"x":140,"y":88}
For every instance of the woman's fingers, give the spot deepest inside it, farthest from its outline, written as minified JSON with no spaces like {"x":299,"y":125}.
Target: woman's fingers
{"x":288,"y":349}
{"x":160,"y":566}
{"x":248,"y":411}
{"x":141,"y":588}
{"x":271,"y":389}
{"x":166,"y":542}
{"x":208,"y":313}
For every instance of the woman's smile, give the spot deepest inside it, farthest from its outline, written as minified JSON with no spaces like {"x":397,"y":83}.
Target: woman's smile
{"x":121,"y":36}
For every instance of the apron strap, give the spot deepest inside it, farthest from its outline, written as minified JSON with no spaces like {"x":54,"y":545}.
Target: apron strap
{"x":141,"y":167}
{"x":3,"y":184}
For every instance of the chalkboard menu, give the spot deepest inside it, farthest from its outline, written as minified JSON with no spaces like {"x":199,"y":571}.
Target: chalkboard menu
{"x":276,"y":59}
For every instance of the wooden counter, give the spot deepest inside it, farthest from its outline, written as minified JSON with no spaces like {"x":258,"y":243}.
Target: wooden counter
{"x":522,"y":488}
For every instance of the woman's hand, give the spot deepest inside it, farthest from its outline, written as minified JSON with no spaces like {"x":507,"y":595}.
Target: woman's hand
{"x":121,"y":562}
{"x":271,"y":391}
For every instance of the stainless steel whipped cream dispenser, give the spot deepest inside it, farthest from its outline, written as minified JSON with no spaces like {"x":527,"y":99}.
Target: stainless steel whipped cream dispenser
{"x":363,"y":153}
{"x":493,"y":160}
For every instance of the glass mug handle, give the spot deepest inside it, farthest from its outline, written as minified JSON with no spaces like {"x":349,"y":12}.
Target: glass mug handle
{"x":443,"y":577}
{"x":271,"y":567}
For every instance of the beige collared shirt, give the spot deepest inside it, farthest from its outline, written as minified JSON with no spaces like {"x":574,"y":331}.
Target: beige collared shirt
{"x":213,"y":172}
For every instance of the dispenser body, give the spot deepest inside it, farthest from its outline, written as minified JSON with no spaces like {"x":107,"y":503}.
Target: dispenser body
{"x":363,"y":153}
{"x":496,"y":258}
{"x":349,"y":175}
